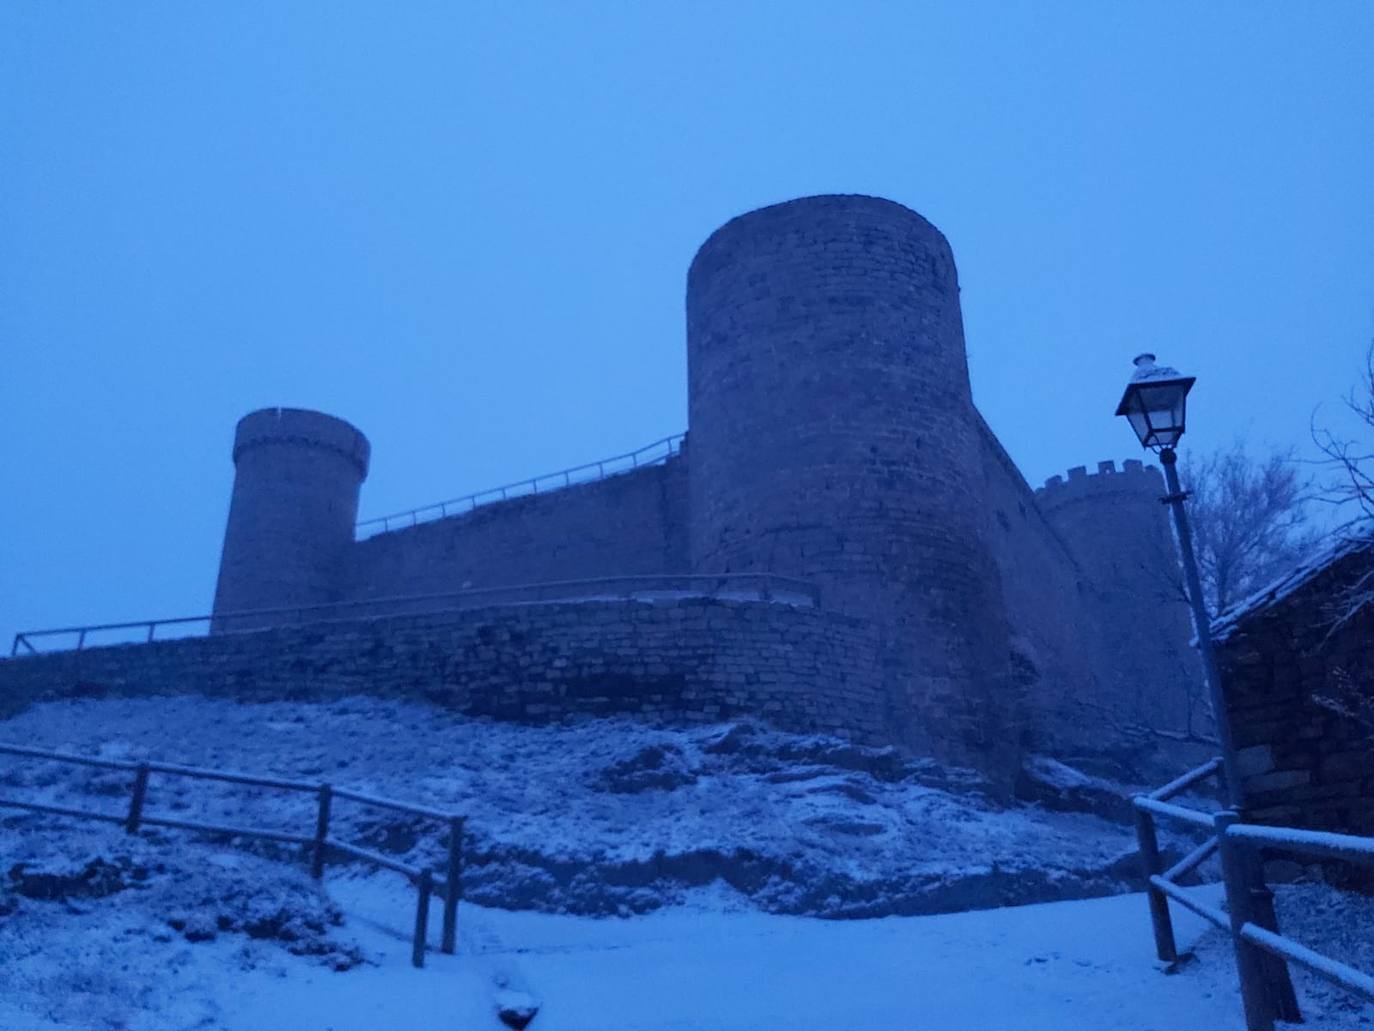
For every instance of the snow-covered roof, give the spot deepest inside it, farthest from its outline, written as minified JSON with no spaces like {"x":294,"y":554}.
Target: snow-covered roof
{"x":1321,"y":560}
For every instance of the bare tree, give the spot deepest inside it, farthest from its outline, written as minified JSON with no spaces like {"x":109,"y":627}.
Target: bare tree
{"x":1250,"y":520}
{"x":1351,"y":461}
{"x":1351,"y":486}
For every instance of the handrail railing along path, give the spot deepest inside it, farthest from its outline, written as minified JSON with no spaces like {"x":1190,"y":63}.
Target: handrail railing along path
{"x":1249,"y":917}
{"x":730,"y":586}
{"x":649,"y":455}
{"x":319,"y":842}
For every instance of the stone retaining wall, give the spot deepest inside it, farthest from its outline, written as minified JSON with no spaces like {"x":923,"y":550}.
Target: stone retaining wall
{"x":698,"y":660}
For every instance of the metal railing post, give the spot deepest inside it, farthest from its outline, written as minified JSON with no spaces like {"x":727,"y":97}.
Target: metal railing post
{"x":1262,"y":915}
{"x":453,"y":877}
{"x":321,"y":845}
{"x":1254,"y":993}
{"x":139,"y":797}
{"x":1165,"y":946}
{"x":426,"y":886}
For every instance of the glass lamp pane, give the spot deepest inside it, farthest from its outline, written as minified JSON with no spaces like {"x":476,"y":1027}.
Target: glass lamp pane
{"x":1179,"y":412}
{"x":1139,"y":423}
{"x":1164,"y":403}
{"x":1160,"y":395}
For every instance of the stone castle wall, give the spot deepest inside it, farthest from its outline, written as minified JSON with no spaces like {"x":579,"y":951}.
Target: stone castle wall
{"x":1044,"y":591}
{"x":833,"y":439}
{"x":696,"y":660}
{"x":1100,"y":642}
{"x":631,"y":524}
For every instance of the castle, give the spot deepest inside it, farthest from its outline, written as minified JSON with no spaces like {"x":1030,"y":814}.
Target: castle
{"x":832,"y":440}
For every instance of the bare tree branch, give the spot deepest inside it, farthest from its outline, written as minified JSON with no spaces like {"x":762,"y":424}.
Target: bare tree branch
{"x":1251,"y":520}
{"x":1352,"y":485}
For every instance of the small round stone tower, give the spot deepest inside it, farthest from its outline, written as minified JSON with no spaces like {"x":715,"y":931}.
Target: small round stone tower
{"x":833,"y":438}
{"x":297,"y":474}
{"x":1114,"y":524}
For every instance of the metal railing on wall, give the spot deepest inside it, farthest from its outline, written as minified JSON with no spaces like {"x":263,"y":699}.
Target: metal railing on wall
{"x":1249,"y":914}
{"x":320,"y":844}
{"x":591,"y":472}
{"x":724,"y":586}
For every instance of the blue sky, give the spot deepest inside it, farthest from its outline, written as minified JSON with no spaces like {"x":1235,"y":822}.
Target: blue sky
{"x":466,"y":227}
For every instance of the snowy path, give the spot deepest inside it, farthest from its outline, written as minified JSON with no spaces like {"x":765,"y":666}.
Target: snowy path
{"x":1032,"y":968}
{"x":1067,"y":965}
{"x":713,"y":965}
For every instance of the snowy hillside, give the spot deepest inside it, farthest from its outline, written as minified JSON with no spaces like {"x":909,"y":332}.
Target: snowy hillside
{"x":601,"y":817}
{"x":708,"y":965}
{"x":620,"y":877}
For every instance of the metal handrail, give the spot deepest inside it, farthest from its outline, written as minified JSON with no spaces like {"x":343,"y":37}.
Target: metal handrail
{"x":1160,"y":883}
{"x":448,"y":886}
{"x":524,"y":488}
{"x":766,"y":585}
{"x":1181,"y":813}
{"x":1255,"y":943}
{"x":1249,"y":916}
{"x":1187,"y":780}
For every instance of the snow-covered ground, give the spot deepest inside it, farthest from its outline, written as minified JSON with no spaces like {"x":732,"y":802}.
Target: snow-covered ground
{"x":711,"y":964}
{"x":629,"y":878}
{"x":600,"y":817}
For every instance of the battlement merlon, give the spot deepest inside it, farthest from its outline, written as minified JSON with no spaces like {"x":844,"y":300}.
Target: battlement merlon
{"x":1134,"y":476}
{"x":302,"y":427}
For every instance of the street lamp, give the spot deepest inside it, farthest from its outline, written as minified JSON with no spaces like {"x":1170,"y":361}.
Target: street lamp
{"x":1155,"y":403}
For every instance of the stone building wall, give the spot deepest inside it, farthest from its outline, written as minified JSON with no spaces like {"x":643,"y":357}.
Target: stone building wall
{"x":630,"y":524}
{"x":696,"y":660}
{"x":1302,"y":704}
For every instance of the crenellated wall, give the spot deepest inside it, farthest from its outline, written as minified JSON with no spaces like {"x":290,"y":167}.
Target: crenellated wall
{"x":1147,"y":675}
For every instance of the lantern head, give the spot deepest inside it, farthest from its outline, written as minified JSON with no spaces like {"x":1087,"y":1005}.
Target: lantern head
{"x":1155,"y":403}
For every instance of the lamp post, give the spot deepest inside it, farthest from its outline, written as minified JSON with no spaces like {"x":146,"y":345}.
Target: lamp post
{"x":1155,"y":404}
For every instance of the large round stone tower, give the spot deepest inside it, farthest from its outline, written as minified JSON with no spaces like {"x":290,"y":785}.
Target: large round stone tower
{"x":833,"y":438}
{"x":297,"y":475}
